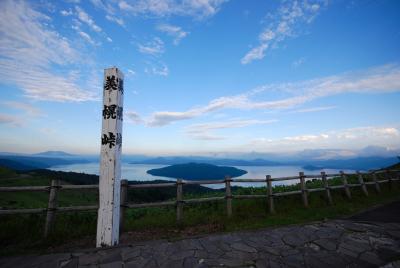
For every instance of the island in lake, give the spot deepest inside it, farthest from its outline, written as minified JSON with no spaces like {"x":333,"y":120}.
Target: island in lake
{"x":197,"y":171}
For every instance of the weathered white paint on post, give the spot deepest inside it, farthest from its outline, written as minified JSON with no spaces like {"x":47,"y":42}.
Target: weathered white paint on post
{"x":179,"y":201}
{"x":345,"y":184}
{"x":326,"y":186}
{"x":110,"y":164}
{"x":270,"y":195}
{"x":303,"y":189}
{"x":228,"y":196}
{"x":377,"y":187}
{"x":362,"y":184}
{"x":51,"y":207}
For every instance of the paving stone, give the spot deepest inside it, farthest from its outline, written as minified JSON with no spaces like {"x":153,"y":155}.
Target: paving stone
{"x":272,"y":250}
{"x":87,"y":259}
{"x":261,"y":263}
{"x":371,"y":258}
{"x":201,"y":254}
{"x":243,"y":247}
{"x":294,"y":240}
{"x":71,"y":263}
{"x":394,"y":233}
{"x":347,"y":252}
{"x":355,"y":227}
{"x":288,"y":252}
{"x":295,"y":260}
{"x":230,"y":262}
{"x":111,"y":257}
{"x":388,"y":253}
{"x":117,"y":264}
{"x":140,"y":262}
{"x":181,"y":255}
{"x":129,"y":254}
{"x":312,"y":246}
{"x":239,"y":255}
{"x":355,"y":246}
{"x":333,"y":233}
{"x":326,"y":244}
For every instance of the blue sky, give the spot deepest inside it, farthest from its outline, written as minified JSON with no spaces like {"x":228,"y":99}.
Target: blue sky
{"x":202,"y":76}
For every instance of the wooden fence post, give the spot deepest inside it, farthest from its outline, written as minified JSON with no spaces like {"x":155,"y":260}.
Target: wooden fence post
{"x":327,"y":190}
{"x":377,"y":187}
{"x":389,"y":178}
{"x":345,"y":184}
{"x":303,"y":189}
{"x":51,"y":207}
{"x":179,"y":201}
{"x":361,"y":181}
{"x":228,"y":196}
{"x":270,"y":195}
{"x":124,"y":202}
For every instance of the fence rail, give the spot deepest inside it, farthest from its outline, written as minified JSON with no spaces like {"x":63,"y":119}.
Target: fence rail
{"x":389,"y":177}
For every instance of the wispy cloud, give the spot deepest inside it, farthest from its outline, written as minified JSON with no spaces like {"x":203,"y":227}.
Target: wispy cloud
{"x":29,"y":50}
{"x":29,"y":109}
{"x":376,"y":80}
{"x":205,"y":131}
{"x":86,"y":37}
{"x":115,"y":19}
{"x":160,"y":8}
{"x":84,"y":17}
{"x":314,"y":109}
{"x":291,"y":15}
{"x":154,"y":47}
{"x":175,"y":31}
{"x":10,"y":119}
{"x":66,"y":12}
{"x":159,"y":68}
{"x":298,"y":62}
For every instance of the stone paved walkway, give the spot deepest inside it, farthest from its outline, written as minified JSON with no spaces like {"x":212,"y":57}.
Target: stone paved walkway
{"x":336,"y":243}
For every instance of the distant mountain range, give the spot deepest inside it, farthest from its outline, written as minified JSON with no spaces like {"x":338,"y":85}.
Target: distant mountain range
{"x":205,"y":160}
{"x":310,"y":159}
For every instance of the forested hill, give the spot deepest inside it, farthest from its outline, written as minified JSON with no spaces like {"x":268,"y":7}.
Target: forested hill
{"x":197,"y":171}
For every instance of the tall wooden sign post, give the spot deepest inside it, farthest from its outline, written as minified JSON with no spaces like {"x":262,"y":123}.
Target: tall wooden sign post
{"x":110,"y":163}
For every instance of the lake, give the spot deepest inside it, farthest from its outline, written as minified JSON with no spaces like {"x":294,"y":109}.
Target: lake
{"x":137,"y":172}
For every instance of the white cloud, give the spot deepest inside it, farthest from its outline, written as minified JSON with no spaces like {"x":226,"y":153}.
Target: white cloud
{"x":155,"y":47}
{"x":349,"y":139}
{"x":174,"y":31}
{"x":115,"y":19}
{"x":131,"y":72}
{"x":160,"y":8}
{"x":204,"y":131}
{"x":10,"y":119}
{"x":291,"y":16}
{"x":26,"y":107}
{"x":256,"y":53}
{"x":160,"y":69}
{"x":109,"y":39}
{"x":376,"y":80}
{"x":134,"y":117}
{"x":84,"y":17}
{"x":298,"y":62}
{"x":86,"y":37}
{"x":314,"y":109}
{"x":66,"y":13}
{"x":29,"y":52}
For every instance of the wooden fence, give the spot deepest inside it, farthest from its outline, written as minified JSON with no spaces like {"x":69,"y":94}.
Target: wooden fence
{"x":389,"y":176}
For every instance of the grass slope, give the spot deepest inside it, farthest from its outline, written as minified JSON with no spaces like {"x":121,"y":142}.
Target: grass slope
{"x":23,"y":233}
